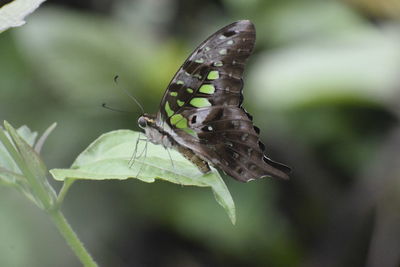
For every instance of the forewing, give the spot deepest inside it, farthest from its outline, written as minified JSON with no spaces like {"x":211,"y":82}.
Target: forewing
{"x":212,"y":75}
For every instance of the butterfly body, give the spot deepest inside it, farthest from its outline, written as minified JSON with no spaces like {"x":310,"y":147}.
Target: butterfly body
{"x":201,"y":113}
{"x":162,"y":136}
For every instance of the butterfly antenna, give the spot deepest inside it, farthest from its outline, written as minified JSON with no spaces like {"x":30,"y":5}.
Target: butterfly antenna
{"x":128,"y":94}
{"x":104,"y":105}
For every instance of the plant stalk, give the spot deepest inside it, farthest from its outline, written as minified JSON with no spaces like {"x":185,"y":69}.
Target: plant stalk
{"x":63,"y":192}
{"x":72,"y":239}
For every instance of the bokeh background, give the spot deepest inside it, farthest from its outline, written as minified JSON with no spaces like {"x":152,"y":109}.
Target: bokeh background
{"x":323,"y":85}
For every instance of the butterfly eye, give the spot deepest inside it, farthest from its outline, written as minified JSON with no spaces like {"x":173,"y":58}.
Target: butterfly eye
{"x":142,"y":122}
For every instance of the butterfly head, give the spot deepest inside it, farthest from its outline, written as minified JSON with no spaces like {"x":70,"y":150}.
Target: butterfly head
{"x":153,"y":132}
{"x":146,"y":120}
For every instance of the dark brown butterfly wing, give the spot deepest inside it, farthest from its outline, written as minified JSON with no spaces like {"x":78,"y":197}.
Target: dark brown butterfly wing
{"x":229,"y":140}
{"x":202,"y":106}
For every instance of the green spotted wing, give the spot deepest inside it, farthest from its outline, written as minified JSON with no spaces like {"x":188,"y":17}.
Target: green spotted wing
{"x":202,"y":111}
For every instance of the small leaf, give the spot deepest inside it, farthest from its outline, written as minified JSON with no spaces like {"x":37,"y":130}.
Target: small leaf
{"x":27,"y":134}
{"x":43,"y":138}
{"x":17,"y":181}
{"x":6,"y":160}
{"x":14,"y":13}
{"x":110,"y":157}
{"x":10,"y":174}
{"x":28,"y":154}
{"x":31,"y":159}
{"x":8,"y":177}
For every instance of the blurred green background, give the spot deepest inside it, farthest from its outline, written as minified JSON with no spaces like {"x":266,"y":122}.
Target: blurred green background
{"x":323,"y":85}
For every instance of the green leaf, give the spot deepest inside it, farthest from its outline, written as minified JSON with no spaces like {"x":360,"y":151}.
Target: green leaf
{"x":30,"y":165}
{"x":14,"y":13}
{"x":10,"y":174}
{"x":8,"y":177}
{"x":110,"y":157}
{"x":35,"y":164}
{"x":43,"y":138}
{"x":27,"y":134}
{"x":6,"y":160}
{"x":17,"y":181}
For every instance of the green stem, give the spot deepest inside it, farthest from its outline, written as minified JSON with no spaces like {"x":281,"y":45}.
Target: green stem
{"x":63,"y":192}
{"x":72,"y":239}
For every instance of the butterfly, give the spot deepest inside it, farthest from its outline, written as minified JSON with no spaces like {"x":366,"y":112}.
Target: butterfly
{"x":201,"y":113}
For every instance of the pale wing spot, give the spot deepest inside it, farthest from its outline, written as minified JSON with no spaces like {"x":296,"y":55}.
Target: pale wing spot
{"x":218,"y":64}
{"x":228,"y":143}
{"x":180,"y":103}
{"x":173,"y":94}
{"x":200,"y":60}
{"x":177,"y":120}
{"x":207,"y":128}
{"x":181,"y":122}
{"x":198,"y":76}
{"x":207,"y":89}
{"x":189,"y":90}
{"x":187,"y":73}
{"x":223,"y":51}
{"x":168,"y":109}
{"x":213,"y":75}
{"x":200,"y":102}
{"x":230,"y":42}
{"x":180,"y":82}
{"x":207,"y":48}
{"x":222,"y":37}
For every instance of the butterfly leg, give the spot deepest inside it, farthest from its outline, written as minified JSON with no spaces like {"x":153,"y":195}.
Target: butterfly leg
{"x":133,"y":158}
{"x":172,"y":162}
{"x":144,"y":149}
{"x":173,"y":167}
{"x":145,"y":156}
